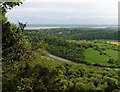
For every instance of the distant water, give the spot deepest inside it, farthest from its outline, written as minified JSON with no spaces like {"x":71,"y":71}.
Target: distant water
{"x":99,"y":27}
{"x":41,"y":27}
{"x":52,"y":26}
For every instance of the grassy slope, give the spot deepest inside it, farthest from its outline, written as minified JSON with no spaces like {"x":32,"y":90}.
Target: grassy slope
{"x":93,"y":56}
{"x":112,"y":53}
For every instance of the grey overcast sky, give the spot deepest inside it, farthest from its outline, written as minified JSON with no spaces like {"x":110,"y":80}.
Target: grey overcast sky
{"x":66,"y":12}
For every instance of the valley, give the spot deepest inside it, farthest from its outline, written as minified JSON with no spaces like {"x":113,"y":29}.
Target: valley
{"x":96,"y":52}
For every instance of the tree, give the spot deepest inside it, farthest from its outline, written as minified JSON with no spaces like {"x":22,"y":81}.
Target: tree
{"x":7,"y":6}
{"x":14,"y":45}
{"x":111,"y":61}
{"x":22,"y":25}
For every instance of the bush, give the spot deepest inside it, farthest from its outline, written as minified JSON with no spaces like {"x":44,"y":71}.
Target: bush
{"x":111,"y":61}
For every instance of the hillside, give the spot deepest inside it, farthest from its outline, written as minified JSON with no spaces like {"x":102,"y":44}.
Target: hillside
{"x":90,"y":52}
{"x":36,"y":71}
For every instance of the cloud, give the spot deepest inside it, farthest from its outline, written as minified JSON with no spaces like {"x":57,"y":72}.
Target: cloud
{"x":66,"y":11}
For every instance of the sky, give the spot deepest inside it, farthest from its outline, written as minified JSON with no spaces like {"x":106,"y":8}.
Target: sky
{"x":66,"y":12}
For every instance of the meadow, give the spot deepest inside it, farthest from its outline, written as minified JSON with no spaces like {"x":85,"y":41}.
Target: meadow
{"x":101,"y":52}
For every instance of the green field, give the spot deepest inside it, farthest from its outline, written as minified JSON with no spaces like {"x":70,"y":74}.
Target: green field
{"x":102,"y":54}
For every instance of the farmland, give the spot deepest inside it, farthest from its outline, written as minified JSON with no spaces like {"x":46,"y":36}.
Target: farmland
{"x":102,"y":53}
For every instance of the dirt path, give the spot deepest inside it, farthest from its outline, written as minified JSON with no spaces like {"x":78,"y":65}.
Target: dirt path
{"x":66,"y":60}
{"x":59,"y":58}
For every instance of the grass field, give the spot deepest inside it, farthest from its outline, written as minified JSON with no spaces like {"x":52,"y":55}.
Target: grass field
{"x":93,"y":56}
{"x":109,"y":51}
